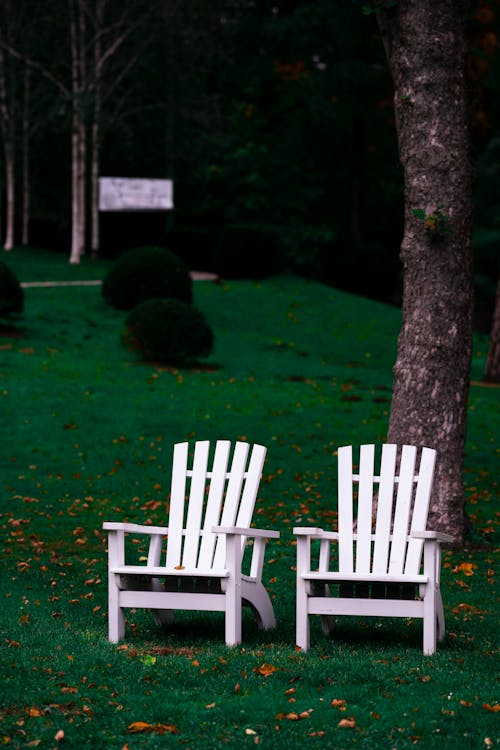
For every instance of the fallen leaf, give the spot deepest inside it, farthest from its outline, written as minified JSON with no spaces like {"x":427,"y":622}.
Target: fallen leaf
{"x":467,"y":568}
{"x":347,"y":723}
{"x":338,"y":703}
{"x":141,"y":726}
{"x":495,"y":708}
{"x":59,"y":735}
{"x":265,"y":669}
{"x":292,"y":716}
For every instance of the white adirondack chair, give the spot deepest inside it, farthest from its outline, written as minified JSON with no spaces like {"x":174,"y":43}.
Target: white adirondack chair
{"x":209,"y":523}
{"x":377,"y":569}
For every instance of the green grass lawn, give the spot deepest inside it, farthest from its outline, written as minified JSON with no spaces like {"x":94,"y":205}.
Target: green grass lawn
{"x":87,"y":435}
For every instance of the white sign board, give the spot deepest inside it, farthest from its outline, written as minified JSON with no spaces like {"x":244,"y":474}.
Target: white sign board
{"x":135,"y":194}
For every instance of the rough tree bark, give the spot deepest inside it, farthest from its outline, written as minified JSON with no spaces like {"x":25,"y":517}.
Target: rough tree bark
{"x":425,"y":43}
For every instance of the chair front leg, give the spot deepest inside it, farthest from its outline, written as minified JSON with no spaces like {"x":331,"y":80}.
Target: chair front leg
{"x":302,"y":636}
{"x":116,"y":556}
{"x":431,"y":591}
{"x":233,"y":590}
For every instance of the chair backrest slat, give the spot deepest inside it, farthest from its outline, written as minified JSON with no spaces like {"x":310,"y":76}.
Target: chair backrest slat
{"x":177,"y":503}
{"x":365,"y":507}
{"x":196,"y":504}
{"x":403,"y":508}
{"x":345,"y":509}
{"x":241,"y":493}
{"x":421,"y":509}
{"x":385,"y":506}
{"x":214,"y":503}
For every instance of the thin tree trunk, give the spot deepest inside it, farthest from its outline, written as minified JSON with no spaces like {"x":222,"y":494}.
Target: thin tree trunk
{"x":10,"y":195}
{"x":78,"y":145}
{"x":426,"y":45}
{"x":492,"y":371}
{"x":26,"y":157}
{"x":6,"y":130}
{"x":82,"y":132}
{"x":96,"y":131}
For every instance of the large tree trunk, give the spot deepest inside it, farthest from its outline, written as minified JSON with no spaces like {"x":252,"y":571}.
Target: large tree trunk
{"x":426,"y":45}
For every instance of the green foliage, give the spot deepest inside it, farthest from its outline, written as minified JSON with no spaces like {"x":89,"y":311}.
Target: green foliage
{"x":436,"y":225}
{"x":168,"y":330}
{"x":145,"y":273}
{"x":11,"y":292}
{"x":246,"y":251}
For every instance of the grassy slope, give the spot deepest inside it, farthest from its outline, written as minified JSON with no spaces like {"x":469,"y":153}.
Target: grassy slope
{"x":87,"y":434}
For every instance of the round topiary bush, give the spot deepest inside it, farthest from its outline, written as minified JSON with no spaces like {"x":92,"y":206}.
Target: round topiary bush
{"x":168,"y":330}
{"x":11,"y":292}
{"x":146,"y":273}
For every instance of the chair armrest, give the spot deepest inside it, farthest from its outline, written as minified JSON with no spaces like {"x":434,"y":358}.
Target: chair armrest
{"x":438,"y":536}
{"x":263,"y":533}
{"x":134,"y":528}
{"x":316,"y":533}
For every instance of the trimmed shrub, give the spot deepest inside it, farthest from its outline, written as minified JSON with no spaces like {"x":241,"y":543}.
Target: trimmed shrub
{"x":245,"y":251}
{"x":168,"y":330}
{"x":11,"y":292}
{"x":146,"y":273}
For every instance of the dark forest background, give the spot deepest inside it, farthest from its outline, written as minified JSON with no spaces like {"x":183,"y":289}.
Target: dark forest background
{"x":274,"y":119}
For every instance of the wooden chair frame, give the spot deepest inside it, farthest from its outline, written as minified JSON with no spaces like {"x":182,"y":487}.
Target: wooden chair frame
{"x":209,"y":524}
{"x":379,"y":569}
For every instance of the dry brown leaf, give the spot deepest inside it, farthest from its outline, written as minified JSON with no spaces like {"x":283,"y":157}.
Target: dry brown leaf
{"x":495,"y":708}
{"x":338,"y":703}
{"x":348,"y":723}
{"x":265,"y":669}
{"x":467,"y":568}
{"x":142,"y":726}
{"x":292,"y":716}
